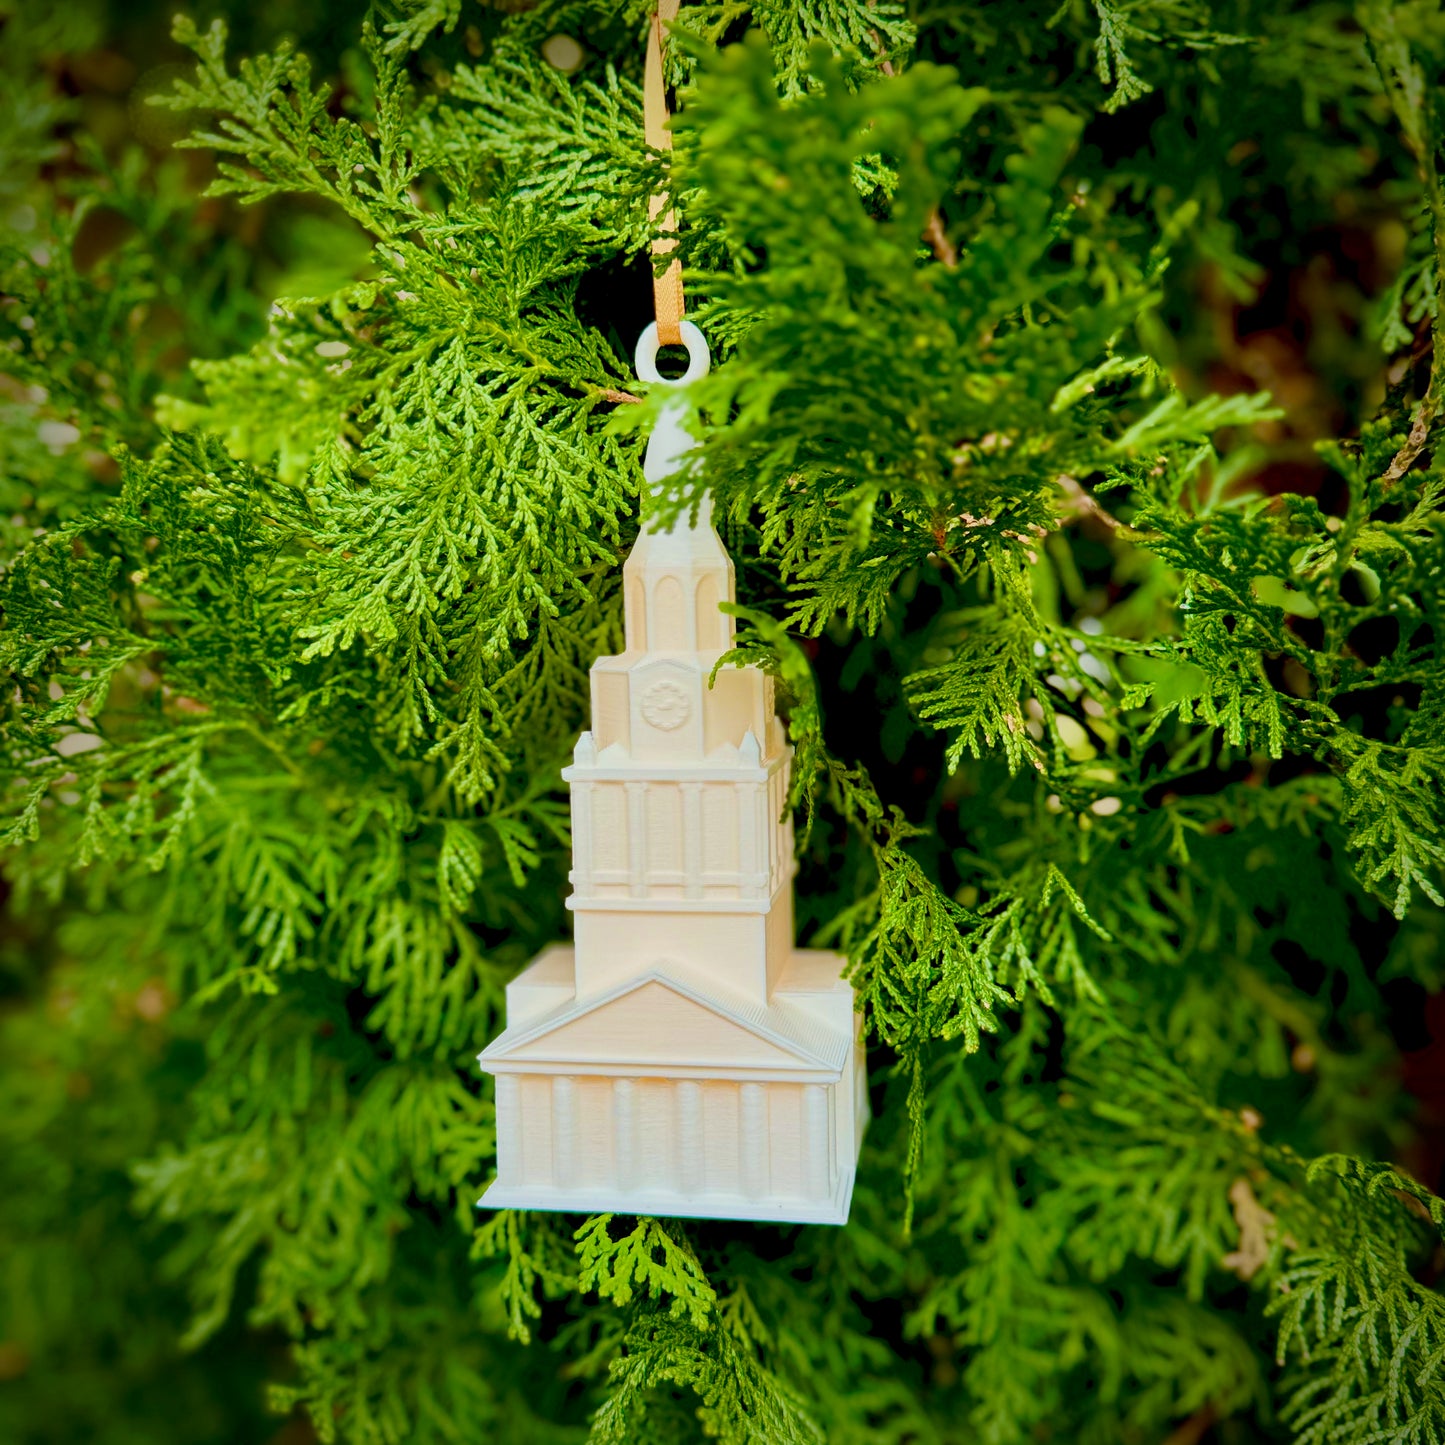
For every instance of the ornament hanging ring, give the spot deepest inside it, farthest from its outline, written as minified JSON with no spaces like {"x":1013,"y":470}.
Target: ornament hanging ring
{"x":698,"y":358}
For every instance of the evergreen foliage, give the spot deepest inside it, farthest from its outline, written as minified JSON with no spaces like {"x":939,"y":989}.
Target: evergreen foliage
{"x":1119,"y":744}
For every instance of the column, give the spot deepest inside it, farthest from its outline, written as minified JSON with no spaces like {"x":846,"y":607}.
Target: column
{"x":692,"y":840}
{"x":637,"y":837}
{"x":688,"y":1173}
{"x":509,"y":1128}
{"x":817,"y":1137}
{"x":754,"y":1140}
{"x":782,"y":842}
{"x":582,"y":841}
{"x":775,"y":810}
{"x":750,"y":865}
{"x":624,"y":1126}
{"x":564,"y":1131}
{"x":762,"y":823}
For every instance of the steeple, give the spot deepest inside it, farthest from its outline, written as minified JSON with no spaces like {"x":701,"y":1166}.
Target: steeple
{"x":676,"y":576}
{"x":678,"y":790}
{"x":656,"y":701}
{"x":673,"y":582}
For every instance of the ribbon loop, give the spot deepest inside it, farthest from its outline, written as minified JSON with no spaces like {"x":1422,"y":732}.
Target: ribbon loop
{"x":667,"y":298}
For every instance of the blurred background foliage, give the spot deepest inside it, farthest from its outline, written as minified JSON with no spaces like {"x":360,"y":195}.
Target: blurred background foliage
{"x":1255,"y":141}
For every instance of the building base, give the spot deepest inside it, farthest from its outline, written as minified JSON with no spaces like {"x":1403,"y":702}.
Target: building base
{"x":671,"y":1204}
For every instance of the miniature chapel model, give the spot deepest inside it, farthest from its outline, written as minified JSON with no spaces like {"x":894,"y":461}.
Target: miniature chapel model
{"x":682,"y":1057}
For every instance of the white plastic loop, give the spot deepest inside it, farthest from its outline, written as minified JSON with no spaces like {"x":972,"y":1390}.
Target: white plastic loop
{"x":698,"y":358}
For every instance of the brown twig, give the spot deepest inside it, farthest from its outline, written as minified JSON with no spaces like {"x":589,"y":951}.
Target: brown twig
{"x":886,"y":65}
{"x":1404,"y":83}
{"x":1256,"y":1231}
{"x":933,"y":232}
{"x":1081,"y":504}
{"x":1404,"y":459}
{"x":936,"y":237}
{"x":1192,"y":1430}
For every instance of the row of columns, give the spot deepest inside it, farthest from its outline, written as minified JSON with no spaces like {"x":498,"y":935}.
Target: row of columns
{"x":757,"y":867}
{"x":754,"y":1172}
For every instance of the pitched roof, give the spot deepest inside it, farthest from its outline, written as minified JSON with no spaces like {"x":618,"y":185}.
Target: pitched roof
{"x":791,"y":1037}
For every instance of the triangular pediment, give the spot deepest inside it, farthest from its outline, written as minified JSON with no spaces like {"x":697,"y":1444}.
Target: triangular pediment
{"x":657,"y":1023}
{"x":669,"y":669}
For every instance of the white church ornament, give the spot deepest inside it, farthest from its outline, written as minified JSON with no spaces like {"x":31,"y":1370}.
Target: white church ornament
{"x":681,"y":1056}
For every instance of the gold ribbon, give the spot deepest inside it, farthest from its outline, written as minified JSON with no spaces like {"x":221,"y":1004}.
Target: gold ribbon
{"x":667,"y":298}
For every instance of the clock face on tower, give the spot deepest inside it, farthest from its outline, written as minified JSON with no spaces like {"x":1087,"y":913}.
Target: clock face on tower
{"x":670,"y":702}
{"x":666,"y":705}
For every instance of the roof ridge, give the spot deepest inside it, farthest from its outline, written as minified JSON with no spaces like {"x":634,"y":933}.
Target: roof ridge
{"x":778,"y":1022}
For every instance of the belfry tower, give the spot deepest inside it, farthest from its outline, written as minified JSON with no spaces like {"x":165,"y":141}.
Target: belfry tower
{"x":678,"y":791}
{"x":682,"y":1057}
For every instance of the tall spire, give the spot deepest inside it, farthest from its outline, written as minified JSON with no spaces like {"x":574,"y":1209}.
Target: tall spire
{"x":679,"y":787}
{"x":676,"y":576}
{"x":657,"y":701}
